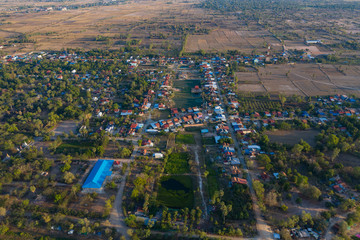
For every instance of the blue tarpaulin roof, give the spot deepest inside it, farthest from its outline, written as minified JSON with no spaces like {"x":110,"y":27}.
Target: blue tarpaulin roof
{"x":98,"y":174}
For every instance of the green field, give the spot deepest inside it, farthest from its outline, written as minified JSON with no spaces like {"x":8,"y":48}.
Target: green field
{"x":177,"y":163}
{"x":79,"y":147}
{"x":176,"y":192}
{"x":185,"y":139}
{"x":208,"y":141}
{"x":184,"y":98}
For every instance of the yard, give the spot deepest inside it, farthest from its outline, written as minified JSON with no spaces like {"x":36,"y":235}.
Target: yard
{"x":185,"y":139}
{"x":176,"y":192}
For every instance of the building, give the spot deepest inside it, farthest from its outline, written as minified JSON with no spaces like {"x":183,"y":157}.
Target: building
{"x":98,"y":174}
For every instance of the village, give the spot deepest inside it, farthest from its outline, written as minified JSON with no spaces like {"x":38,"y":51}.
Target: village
{"x":138,"y":136}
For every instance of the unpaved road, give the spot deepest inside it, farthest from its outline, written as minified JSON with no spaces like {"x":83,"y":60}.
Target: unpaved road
{"x":117,"y":218}
{"x":264,"y":230}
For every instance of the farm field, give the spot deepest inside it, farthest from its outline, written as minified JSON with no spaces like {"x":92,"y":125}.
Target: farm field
{"x":224,"y":39}
{"x":117,"y":24}
{"x":293,"y":137}
{"x":302,"y":79}
{"x":314,"y":50}
{"x":176,"y":192}
{"x":183,"y":96}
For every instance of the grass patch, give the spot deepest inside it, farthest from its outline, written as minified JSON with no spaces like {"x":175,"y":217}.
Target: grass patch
{"x":208,"y":141}
{"x":185,"y":139}
{"x":212,"y":182}
{"x":184,"y":98}
{"x":193,"y":129}
{"x":177,"y":163}
{"x":79,"y":147}
{"x":159,"y":115}
{"x":176,"y":192}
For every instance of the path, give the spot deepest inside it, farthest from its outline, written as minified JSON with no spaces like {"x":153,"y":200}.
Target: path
{"x":117,"y":218}
{"x":199,"y":177}
{"x":328,"y":233}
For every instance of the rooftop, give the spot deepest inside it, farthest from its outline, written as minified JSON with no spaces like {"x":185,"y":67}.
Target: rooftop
{"x":98,"y":174}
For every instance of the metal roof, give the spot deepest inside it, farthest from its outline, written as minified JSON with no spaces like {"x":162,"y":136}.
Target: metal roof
{"x":98,"y":174}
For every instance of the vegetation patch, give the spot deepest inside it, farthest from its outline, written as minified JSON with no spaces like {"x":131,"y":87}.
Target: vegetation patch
{"x":208,"y":141}
{"x":185,"y":139}
{"x":71,"y":146}
{"x":176,"y":192}
{"x":177,"y":163}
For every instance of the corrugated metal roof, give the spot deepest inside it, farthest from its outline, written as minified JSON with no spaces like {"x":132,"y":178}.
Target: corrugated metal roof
{"x":98,"y":174}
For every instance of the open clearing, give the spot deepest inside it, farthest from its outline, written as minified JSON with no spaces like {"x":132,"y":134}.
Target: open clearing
{"x":223,"y":39}
{"x":349,"y":160}
{"x":302,"y":79}
{"x":293,"y":137}
{"x":65,"y":127}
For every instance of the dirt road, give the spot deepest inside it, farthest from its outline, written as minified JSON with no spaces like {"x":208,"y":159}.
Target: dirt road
{"x":117,"y":218}
{"x":264,"y":230}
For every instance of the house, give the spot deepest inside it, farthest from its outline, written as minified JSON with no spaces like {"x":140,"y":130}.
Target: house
{"x":196,"y":89}
{"x":147,"y":143}
{"x":203,"y":131}
{"x":237,"y":180}
{"x":126,"y":112}
{"x":158,"y":155}
{"x":313,"y":41}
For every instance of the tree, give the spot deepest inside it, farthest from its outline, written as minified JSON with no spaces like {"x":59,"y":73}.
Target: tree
{"x":271,"y":198}
{"x":46,"y":218}
{"x":332,"y":141}
{"x":285,"y":234}
{"x":259,"y":189}
{"x":32,"y":189}
{"x":297,"y":149}
{"x":335,"y":154}
{"x":343,"y":228}
{"x":69,"y":177}
{"x":125,"y":152}
{"x":282,"y":99}
{"x":225,"y":210}
{"x":2,"y":212}
{"x":311,"y":191}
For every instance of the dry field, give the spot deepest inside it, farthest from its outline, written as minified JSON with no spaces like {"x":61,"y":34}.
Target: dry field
{"x":78,"y":28}
{"x":314,"y":50}
{"x":225,"y":39}
{"x":302,"y":79}
{"x":293,"y":137}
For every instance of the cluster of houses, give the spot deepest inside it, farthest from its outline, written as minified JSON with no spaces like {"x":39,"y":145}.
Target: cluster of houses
{"x":180,"y":120}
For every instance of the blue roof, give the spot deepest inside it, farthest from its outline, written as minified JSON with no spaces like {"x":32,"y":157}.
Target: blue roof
{"x":98,"y":174}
